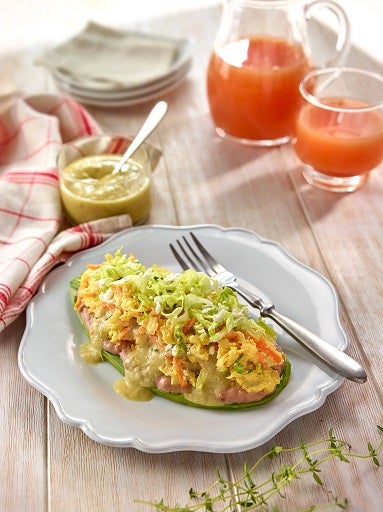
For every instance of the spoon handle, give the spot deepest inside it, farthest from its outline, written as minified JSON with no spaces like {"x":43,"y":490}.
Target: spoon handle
{"x":156,"y":115}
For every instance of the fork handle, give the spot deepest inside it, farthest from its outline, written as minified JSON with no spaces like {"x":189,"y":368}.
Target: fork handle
{"x":333,"y":357}
{"x":336,"y":359}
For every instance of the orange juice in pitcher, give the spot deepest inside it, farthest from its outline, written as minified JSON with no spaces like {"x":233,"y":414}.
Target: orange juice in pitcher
{"x":260,"y":56}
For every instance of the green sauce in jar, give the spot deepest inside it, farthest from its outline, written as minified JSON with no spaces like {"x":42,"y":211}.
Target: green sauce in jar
{"x":90,"y":191}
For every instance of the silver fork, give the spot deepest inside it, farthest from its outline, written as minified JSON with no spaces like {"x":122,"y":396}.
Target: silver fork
{"x":197,"y":257}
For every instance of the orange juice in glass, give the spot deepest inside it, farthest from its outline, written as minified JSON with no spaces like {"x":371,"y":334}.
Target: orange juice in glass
{"x":339,"y":130}
{"x":261,"y":54}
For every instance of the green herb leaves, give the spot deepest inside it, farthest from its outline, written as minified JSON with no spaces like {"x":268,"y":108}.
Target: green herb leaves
{"x":247,"y":494}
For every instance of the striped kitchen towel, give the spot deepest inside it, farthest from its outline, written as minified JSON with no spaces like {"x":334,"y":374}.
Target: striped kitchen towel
{"x":32,"y":130}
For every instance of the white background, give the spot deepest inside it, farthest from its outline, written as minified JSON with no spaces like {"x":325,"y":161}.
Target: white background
{"x":21,"y":16}
{"x":34,"y":25}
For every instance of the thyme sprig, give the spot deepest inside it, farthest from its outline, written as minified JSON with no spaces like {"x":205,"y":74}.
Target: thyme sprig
{"x":245,"y":494}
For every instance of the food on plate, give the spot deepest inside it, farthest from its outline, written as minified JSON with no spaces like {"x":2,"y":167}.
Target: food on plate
{"x":178,"y":335}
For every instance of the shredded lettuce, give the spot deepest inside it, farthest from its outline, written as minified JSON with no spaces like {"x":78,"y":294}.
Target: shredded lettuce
{"x":179,"y":297}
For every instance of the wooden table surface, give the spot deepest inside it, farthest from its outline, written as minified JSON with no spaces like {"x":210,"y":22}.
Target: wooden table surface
{"x":50,"y":466}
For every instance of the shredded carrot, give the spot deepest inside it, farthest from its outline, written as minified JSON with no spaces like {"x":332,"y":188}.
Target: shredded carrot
{"x":123,"y":333}
{"x":155,"y":340}
{"x":93,"y":266}
{"x":260,"y":358}
{"x":267,"y":349}
{"x":108,"y":307}
{"x":232,"y":335}
{"x":180,"y":372}
{"x":117,"y":289}
{"x":274,"y":354}
{"x":189,"y":324}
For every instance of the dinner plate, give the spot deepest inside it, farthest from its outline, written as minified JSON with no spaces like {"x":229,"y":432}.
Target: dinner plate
{"x":101,"y":58}
{"x":122,"y":100}
{"x":125,"y":94}
{"x":83,"y":395}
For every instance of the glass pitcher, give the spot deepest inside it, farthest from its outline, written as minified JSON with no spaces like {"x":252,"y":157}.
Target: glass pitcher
{"x":260,"y":55}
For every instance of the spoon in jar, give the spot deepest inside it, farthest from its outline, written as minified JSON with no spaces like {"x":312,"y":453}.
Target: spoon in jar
{"x":151,"y":122}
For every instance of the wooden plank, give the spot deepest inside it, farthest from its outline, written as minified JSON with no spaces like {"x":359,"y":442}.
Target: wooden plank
{"x":23,"y":476}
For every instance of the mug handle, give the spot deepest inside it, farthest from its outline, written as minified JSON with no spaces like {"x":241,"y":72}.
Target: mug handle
{"x":343,"y":41}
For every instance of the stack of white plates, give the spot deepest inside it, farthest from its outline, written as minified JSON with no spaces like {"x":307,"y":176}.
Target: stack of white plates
{"x":113,"y":68}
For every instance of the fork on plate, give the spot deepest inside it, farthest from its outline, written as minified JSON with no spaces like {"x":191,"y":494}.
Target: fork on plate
{"x":192,"y":254}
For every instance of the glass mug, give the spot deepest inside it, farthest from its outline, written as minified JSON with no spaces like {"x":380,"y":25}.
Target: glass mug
{"x":261,"y":53}
{"x":339,"y":129}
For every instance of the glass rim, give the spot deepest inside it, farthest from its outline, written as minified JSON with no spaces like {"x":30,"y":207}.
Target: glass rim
{"x":77,"y":148}
{"x":336,"y":71}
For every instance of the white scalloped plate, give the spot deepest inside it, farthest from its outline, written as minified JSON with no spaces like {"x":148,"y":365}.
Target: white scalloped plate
{"x":129,"y":100}
{"x":83,"y":397}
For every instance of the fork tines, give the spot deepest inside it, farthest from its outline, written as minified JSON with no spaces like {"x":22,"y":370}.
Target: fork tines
{"x":195,"y":257}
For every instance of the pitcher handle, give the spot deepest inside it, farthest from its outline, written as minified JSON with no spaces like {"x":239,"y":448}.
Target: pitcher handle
{"x":343,"y":41}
